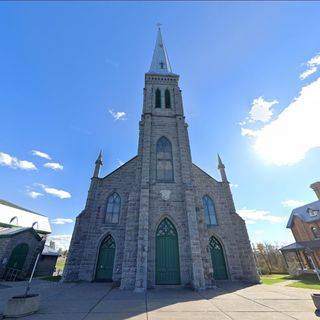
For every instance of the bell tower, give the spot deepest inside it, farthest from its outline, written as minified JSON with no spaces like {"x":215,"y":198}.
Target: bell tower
{"x":166,"y":168}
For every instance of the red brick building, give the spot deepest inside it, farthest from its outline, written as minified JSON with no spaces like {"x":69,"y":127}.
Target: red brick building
{"x":304,"y":223}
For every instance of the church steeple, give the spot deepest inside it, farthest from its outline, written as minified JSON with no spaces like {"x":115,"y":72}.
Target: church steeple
{"x":221,"y":168}
{"x":98,"y":164}
{"x":160,"y":61}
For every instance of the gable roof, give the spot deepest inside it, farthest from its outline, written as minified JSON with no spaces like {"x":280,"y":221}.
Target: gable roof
{"x":10,"y":232}
{"x":119,"y":168}
{"x":303,"y":213}
{"x":48,"y":251}
{"x":12,"y":205}
{"x":12,"y":215}
{"x":302,"y":245}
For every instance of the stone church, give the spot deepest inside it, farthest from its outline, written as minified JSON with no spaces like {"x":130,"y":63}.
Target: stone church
{"x":159,"y":219}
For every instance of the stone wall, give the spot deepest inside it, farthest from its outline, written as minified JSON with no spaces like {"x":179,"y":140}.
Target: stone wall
{"x":231,"y":230}
{"x":91,"y":229}
{"x":9,"y":243}
{"x":46,"y":266}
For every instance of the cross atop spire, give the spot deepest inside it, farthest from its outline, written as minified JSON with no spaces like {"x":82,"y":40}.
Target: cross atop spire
{"x":160,"y":62}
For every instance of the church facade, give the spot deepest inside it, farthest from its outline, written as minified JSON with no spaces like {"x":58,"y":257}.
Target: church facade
{"x":159,"y":219}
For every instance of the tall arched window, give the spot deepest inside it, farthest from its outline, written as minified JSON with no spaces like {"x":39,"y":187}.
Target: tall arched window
{"x":209,"y":210}
{"x":113,"y":208}
{"x":158,"y":98}
{"x":167,"y":99}
{"x":164,"y":160}
{"x":316,"y":232}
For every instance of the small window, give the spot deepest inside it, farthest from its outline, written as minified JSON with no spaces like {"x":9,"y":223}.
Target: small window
{"x":113,"y":208}
{"x":209,"y":210}
{"x":312,"y":212}
{"x":167,"y":99}
{"x":315,"y":231}
{"x":164,"y":160}
{"x":158,"y":98}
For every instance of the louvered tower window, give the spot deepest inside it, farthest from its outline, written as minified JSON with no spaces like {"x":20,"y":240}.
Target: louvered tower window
{"x":167,"y":99}
{"x":158,"y":98}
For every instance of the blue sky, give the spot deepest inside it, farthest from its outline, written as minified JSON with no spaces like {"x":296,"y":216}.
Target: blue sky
{"x":66,"y":65}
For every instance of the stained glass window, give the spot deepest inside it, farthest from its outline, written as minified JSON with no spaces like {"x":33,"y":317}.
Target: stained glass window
{"x":113,"y":208}
{"x":164,"y":160}
{"x":210,"y":212}
{"x":166,"y":228}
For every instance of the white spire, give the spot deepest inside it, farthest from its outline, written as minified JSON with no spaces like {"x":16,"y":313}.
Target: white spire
{"x":160,"y":62}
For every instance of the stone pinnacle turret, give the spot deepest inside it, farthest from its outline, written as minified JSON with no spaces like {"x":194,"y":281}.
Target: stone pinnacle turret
{"x":221,"y":168}
{"x":98,"y":165}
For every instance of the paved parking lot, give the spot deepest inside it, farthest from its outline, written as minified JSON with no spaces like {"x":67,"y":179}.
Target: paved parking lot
{"x":99,"y":301}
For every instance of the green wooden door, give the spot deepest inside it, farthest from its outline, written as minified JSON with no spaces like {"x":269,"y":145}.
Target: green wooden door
{"x":167,"y":254}
{"x":105,"y":262}
{"x":218,"y":261}
{"x":18,"y":256}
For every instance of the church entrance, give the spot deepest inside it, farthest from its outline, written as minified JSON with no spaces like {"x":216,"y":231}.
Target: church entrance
{"x":105,"y":262}
{"x":167,"y":254}
{"x":218,"y":261}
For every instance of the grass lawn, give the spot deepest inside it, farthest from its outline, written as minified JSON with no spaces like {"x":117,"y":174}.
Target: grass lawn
{"x":60,"y":263}
{"x":308,"y":281}
{"x":52,"y":278}
{"x":274,"y":278}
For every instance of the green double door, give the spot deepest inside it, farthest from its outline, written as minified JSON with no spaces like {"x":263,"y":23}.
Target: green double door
{"x":105,"y":262}
{"x":218,"y":261}
{"x":18,"y":256}
{"x":167,"y":254}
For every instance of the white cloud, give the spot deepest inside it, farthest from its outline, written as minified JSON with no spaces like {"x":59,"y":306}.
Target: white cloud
{"x":34,"y":194}
{"x":292,"y":203}
{"x":120,"y":163}
{"x":287,"y":139}
{"x":41,"y":154}
{"x":12,"y":162}
{"x":248,"y":132}
{"x":118,"y":115}
{"x":252,"y":216}
{"x":61,"y":240}
{"x":61,"y":221}
{"x":261,"y":110}
{"x":307,"y":73}
{"x":62,"y":194}
{"x":312,"y":64}
{"x":234,"y":185}
{"x":258,"y":232}
{"x":53,"y":165}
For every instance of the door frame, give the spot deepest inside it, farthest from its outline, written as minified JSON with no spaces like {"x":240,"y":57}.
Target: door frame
{"x":165,"y":216}
{"x":224,"y":252}
{"x":101,"y":239}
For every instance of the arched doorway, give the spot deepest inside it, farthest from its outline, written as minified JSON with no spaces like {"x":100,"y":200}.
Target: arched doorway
{"x":167,"y":254}
{"x":104,"y":270}
{"x":18,"y":256}
{"x":218,"y":261}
